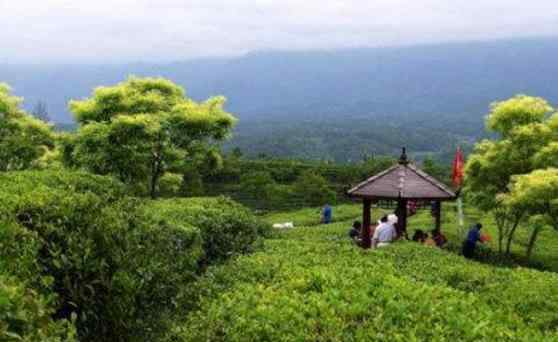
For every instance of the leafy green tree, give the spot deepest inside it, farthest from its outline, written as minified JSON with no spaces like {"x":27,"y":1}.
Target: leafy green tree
{"x":523,"y":132}
{"x":23,"y":139}
{"x":314,"y":190}
{"x":536,"y":194}
{"x":254,"y":183}
{"x":142,"y":128}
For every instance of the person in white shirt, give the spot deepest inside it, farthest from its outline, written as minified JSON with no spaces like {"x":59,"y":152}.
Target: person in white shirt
{"x":384,"y":234}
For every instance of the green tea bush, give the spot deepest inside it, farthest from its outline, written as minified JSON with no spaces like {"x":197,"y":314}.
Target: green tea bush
{"x":25,"y":315}
{"x":312,"y":284}
{"x":116,"y":269}
{"x":226,"y":227}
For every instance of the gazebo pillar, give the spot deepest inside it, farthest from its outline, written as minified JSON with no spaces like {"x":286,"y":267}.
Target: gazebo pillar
{"x":401,"y":213}
{"x":366,"y":221}
{"x":438,"y":215}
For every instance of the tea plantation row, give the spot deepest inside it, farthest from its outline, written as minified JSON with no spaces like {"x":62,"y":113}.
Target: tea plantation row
{"x":312,"y":284}
{"x":81,"y":260}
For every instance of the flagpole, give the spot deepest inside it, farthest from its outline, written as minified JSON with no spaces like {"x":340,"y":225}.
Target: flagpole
{"x":460,"y":215}
{"x":457,"y":179}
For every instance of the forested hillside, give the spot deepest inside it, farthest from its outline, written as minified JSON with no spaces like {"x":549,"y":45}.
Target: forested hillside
{"x":337,"y":104}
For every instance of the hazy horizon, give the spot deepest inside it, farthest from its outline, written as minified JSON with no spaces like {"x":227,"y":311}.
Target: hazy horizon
{"x":141,"y":31}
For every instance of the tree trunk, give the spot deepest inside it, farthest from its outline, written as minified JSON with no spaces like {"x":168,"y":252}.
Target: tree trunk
{"x":500,"y":226}
{"x":512,"y":233}
{"x":532,"y":240}
{"x":155,"y":174}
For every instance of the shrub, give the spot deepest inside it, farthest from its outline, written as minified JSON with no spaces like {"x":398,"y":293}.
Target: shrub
{"x":227,"y":228}
{"x":72,"y":234}
{"x":314,"y":285}
{"x":314,"y":190}
{"x":25,"y":315}
{"x":170,"y":184}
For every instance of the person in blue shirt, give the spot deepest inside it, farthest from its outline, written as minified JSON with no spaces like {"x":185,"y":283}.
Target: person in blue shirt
{"x":327,"y":214}
{"x":470,"y":243}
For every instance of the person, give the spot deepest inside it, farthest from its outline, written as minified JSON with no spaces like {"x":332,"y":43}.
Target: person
{"x":354,"y":232}
{"x":327,"y":214}
{"x":439,"y":238}
{"x":428,"y":241}
{"x":418,"y":236}
{"x":384,"y":234}
{"x":470,"y":243}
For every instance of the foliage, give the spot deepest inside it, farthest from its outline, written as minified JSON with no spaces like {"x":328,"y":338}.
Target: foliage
{"x":226,"y":227}
{"x":26,"y":316}
{"x":309,"y":284}
{"x":254,"y":183}
{"x":117,"y":270}
{"x":142,"y":128}
{"x":525,"y":134}
{"x":23,"y":139}
{"x":537,"y":194}
{"x":311,"y":216}
{"x":170,"y":184}
{"x":314,"y":190}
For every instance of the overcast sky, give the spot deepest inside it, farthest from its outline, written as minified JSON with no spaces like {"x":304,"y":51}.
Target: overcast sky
{"x":162,"y":30}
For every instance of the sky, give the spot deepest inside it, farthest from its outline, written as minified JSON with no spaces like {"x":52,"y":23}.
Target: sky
{"x":62,"y":31}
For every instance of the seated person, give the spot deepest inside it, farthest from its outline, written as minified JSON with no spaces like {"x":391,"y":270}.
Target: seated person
{"x":428,"y":241}
{"x":354,"y":232}
{"x":439,"y":238}
{"x":419,"y":236}
{"x":384,"y":234}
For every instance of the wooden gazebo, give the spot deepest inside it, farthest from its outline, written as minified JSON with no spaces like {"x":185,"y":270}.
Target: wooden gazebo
{"x":401,"y":183}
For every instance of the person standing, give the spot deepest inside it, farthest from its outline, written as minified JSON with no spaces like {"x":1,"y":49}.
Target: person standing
{"x":327,"y":214}
{"x":470,"y":243}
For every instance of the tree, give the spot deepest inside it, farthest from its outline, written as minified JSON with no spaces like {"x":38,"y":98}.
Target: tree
{"x":23,"y":139}
{"x":314,"y":190}
{"x":523,"y":132}
{"x":536,"y":194}
{"x":40,"y":111}
{"x":142,"y":128}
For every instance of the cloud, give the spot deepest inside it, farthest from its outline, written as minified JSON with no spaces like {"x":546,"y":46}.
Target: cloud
{"x":159,"y":30}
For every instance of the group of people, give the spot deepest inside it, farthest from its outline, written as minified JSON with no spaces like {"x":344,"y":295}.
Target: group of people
{"x":383,"y":235}
{"x":436,"y":238}
{"x":386,"y":233}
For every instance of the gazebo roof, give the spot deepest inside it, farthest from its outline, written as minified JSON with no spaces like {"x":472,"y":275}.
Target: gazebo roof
{"x":402,"y":181}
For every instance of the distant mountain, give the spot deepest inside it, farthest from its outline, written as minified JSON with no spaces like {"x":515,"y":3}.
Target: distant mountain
{"x":442,"y":86}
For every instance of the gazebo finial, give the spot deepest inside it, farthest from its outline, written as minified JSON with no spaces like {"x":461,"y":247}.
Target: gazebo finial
{"x":403,"y":159}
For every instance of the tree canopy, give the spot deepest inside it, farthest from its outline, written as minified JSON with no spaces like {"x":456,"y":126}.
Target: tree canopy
{"x":526,"y":141}
{"x":143,"y":127}
{"x":23,"y":139}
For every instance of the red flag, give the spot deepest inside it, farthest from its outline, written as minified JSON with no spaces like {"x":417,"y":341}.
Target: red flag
{"x":457,"y":168}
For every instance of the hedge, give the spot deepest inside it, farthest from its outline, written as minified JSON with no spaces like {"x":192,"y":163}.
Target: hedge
{"x":25,"y":315}
{"x":323,"y":288}
{"x":72,"y":235}
{"x":226,"y":227}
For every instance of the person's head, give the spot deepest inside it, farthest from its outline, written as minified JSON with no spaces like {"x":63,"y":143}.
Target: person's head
{"x":435,"y":232}
{"x":478,"y":226}
{"x":384,"y":219}
{"x":393,"y":219}
{"x":357,"y":225}
{"x":417,"y":236}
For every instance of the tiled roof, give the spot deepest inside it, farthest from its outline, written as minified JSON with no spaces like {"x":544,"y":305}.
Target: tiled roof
{"x":402,"y":180}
